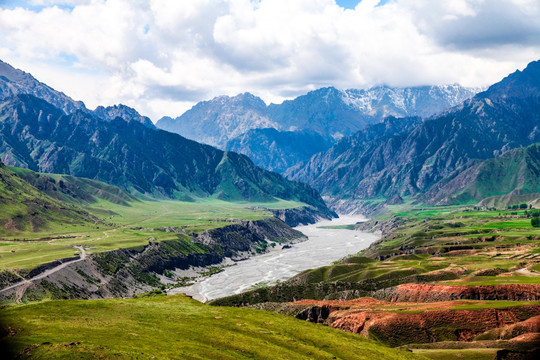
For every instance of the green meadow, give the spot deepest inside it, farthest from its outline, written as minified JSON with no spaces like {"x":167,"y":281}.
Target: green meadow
{"x":174,"y":327}
{"x":127,"y":226}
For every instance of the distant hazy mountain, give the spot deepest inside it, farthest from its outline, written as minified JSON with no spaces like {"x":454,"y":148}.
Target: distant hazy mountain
{"x":217,"y":121}
{"x":330,"y":112}
{"x":36,"y":135}
{"x":339,"y":113}
{"x":14,"y":81}
{"x":278,"y":150}
{"x":503,"y":117}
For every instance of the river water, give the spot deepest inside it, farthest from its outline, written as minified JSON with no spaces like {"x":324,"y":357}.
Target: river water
{"x":322,"y":247}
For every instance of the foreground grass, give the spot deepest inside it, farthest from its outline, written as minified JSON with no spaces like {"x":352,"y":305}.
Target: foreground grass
{"x":462,"y":354}
{"x":173,"y":327}
{"x":126,"y":227}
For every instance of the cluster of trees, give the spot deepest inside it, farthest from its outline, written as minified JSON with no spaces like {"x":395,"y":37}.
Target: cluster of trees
{"x":520,"y":206}
{"x":532,"y":213}
{"x":535,"y":215}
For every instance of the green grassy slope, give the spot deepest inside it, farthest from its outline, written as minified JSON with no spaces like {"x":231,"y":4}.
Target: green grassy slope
{"x":42,"y":216}
{"x":73,"y":189}
{"x":125,"y":227}
{"x":173,"y":327}
{"x":516,"y":172}
{"x":23,"y":208}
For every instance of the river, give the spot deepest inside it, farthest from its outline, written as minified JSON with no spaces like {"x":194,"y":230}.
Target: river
{"x":322,"y":248}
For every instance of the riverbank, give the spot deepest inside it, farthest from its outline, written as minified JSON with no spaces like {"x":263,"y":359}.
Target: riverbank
{"x":324,"y":245}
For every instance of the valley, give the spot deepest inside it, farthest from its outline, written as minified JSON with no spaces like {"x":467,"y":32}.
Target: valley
{"x":216,"y":234}
{"x":442,"y":282}
{"x":323,"y":246}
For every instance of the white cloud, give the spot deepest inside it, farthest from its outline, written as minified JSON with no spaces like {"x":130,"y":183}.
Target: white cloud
{"x":161,"y":56}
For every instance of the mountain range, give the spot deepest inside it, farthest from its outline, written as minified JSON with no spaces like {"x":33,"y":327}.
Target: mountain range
{"x":410,"y":163}
{"x":446,"y":158}
{"x":140,"y":159}
{"x":236,"y":123}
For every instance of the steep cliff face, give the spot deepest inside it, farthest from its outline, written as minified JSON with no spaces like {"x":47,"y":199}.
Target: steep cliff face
{"x":127,"y":272}
{"x":419,"y":323}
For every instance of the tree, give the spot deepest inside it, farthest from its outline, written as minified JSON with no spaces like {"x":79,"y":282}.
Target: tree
{"x":535,"y":222}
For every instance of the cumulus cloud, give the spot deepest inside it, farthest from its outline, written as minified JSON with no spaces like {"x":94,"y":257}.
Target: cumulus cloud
{"x":162,"y":56}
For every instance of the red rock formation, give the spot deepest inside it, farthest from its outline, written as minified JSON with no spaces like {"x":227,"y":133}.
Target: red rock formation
{"x":432,"y":293}
{"x":401,"y":323}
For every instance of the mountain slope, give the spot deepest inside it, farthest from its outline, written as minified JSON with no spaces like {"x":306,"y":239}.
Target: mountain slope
{"x":25,"y":208}
{"x":278,"y":150}
{"x":330,"y":112}
{"x":354,"y":157}
{"x":38,"y":136}
{"x":338,"y":113}
{"x":516,"y":171}
{"x":503,"y":117}
{"x":14,"y":81}
{"x":74,"y":190}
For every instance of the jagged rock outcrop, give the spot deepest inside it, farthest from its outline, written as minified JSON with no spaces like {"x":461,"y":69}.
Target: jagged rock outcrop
{"x":315,"y":314}
{"x":301,"y":216}
{"x":123,"y":112}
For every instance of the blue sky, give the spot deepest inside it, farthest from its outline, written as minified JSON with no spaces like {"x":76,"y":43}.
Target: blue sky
{"x":162,"y":56}
{"x":351,"y":4}
{"x":347,"y":4}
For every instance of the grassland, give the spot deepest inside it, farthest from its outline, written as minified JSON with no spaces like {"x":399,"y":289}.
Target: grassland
{"x":173,"y":327}
{"x":464,"y":354}
{"x":125,"y":227}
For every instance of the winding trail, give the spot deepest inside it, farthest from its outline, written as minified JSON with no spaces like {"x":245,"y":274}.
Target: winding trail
{"x":527,"y":272}
{"x":25,"y":284}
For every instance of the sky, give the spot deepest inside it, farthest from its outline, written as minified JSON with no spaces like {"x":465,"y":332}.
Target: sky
{"x":163,"y":56}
